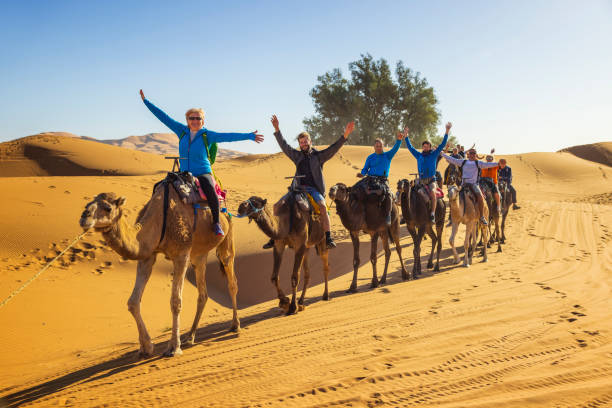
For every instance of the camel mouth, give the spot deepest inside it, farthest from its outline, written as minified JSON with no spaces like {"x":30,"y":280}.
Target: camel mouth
{"x":86,"y":224}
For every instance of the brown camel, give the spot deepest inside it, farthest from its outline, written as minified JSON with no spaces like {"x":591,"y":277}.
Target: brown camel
{"x":180,"y":243}
{"x":416,"y":214}
{"x":494,"y":218}
{"x":506,"y":202}
{"x":464,"y":210}
{"x":296,"y":228}
{"x":367,"y":216}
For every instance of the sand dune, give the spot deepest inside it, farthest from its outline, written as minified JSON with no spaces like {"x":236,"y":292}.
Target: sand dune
{"x":529,"y":328}
{"x":597,"y":152}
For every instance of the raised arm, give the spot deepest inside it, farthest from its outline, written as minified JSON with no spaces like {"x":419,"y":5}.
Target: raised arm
{"x":332,"y":149}
{"x":445,"y":140}
{"x":414,"y":151}
{"x":173,"y":125}
{"x":394,"y":149}
{"x":292,"y":153}
{"x":487,"y":165}
{"x":217,"y":137}
{"x":452,"y":160}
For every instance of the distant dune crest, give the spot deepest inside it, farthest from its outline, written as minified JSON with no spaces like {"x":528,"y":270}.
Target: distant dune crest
{"x":596,"y":152}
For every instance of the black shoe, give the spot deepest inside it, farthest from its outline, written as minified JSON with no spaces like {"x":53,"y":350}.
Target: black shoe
{"x":515,"y":207}
{"x":432,"y":217}
{"x":269,"y":244}
{"x":330,"y":243}
{"x":402,"y":221}
{"x":450,"y":223}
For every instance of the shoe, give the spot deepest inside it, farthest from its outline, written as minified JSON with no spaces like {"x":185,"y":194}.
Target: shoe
{"x":388,"y":219}
{"x":432,"y":217}
{"x":402,"y":221}
{"x":219,"y":230}
{"x":330,"y":243}
{"x":484,"y":222}
{"x":450,"y":223}
{"x":269,"y":244}
{"x":515,"y":207}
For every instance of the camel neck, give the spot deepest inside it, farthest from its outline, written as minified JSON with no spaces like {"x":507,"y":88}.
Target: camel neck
{"x":121,"y":237}
{"x":268,"y":223}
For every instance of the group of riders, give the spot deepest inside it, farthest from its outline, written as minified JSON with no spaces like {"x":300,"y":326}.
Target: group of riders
{"x":196,"y":142}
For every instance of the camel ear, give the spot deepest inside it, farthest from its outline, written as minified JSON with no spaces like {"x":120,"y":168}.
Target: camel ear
{"x":120,"y":201}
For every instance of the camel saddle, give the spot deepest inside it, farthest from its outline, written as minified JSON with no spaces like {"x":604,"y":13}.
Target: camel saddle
{"x":423,"y":191}
{"x":371,"y":187}
{"x":304,"y":201}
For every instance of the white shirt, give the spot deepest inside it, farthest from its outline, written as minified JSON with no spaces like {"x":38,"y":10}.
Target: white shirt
{"x":470,"y":170}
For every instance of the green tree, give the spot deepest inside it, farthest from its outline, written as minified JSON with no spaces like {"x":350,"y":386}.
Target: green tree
{"x":378,"y":102}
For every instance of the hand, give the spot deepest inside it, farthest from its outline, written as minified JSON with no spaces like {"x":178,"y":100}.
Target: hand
{"x":359,"y":175}
{"x":142,"y":95}
{"x":403,"y":134}
{"x":349,"y":129}
{"x":448,"y":127}
{"x":274,"y":121}
{"x":258,"y":138}
{"x":492,"y":150}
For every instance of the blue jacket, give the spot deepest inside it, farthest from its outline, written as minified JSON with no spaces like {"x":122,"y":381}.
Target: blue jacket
{"x":427,"y":162}
{"x":379,"y":164}
{"x":196,"y":160}
{"x":505,"y":174}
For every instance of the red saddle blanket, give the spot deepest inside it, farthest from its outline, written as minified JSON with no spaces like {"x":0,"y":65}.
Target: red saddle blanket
{"x":439,"y":192}
{"x":220,"y":193}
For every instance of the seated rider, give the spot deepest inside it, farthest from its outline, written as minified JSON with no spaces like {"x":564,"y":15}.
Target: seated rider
{"x":488,"y":177}
{"x":505,"y":174}
{"x":378,"y":164}
{"x":309,"y":165}
{"x":470,"y":168}
{"x":426,"y":162}
{"x":194,"y":152}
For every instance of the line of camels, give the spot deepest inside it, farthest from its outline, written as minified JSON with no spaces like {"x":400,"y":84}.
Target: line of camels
{"x":166,"y":225}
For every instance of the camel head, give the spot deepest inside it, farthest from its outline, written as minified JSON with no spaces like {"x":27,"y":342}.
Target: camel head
{"x":252,"y":207}
{"x":339,"y":192}
{"x":102,"y":212}
{"x":403,"y":185}
{"x":453,"y":193}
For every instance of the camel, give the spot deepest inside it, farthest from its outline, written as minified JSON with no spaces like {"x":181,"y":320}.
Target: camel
{"x":296,"y":228}
{"x":464,"y":210}
{"x":365,"y":215}
{"x":493,"y":218}
{"x":146,"y":238}
{"x":416,"y":214}
{"x":506,"y":201}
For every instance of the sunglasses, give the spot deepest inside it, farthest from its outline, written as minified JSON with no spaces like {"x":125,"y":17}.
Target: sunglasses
{"x":195,"y":118}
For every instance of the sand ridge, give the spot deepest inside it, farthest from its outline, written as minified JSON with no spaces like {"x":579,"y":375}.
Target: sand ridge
{"x":529,"y":328}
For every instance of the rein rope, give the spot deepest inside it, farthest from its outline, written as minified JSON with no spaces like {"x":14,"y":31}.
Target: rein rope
{"x":16,"y":292}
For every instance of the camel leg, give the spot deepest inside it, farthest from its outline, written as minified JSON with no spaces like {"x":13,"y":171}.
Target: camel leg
{"x":503,"y":227}
{"x":398,"y":248}
{"x":417,"y":251}
{"x":466,"y":244}
{"x":143,"y":273}
{"x":385,"y":241}
{"x":439,"y":229}
{"x":373,"y":248}
{"x":306,"y":269}
{"x":498,"y":235}
{"x":451,"y":240}
{"x":434,"y":241}
{"x":227,"y":266}
{"x":295,"y":278}
{"x":283,"y":301}
{"x":415,"y":236}
{"x":484,"y":247}
{"x":355,"y":239}
{"x":200,"y":275}
{"x":181,"y":263}
{"x":324,"y":253}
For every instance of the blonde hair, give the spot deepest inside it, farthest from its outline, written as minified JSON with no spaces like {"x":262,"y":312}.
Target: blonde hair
{"x":199,"y":111}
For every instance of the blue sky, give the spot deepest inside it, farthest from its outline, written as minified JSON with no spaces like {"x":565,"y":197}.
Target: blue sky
{"x":515,"y":75}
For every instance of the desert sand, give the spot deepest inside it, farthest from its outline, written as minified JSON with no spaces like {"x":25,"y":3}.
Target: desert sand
{"x":531,"y":327}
